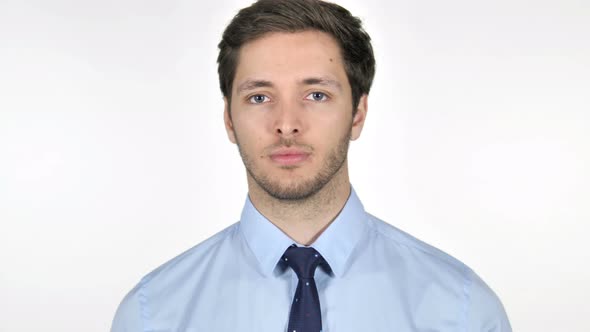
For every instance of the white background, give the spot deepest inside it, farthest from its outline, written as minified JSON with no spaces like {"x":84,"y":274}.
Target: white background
{"x":114,"y":159}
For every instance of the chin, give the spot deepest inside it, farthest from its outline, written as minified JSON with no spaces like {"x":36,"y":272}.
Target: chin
{"x":291,"y":190}
{"x":291,"y":195}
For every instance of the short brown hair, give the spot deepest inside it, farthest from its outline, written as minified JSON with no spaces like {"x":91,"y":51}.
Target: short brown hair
{"x":267,"y":16}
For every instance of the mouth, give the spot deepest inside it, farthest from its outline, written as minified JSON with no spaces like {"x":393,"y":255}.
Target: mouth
{"x":289,"y":156}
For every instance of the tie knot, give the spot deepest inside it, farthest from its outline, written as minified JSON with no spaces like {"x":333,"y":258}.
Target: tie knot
{"x":303,"y":260}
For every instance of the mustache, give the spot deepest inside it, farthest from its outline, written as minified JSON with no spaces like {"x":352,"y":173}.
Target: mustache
{"x":289,"y":143}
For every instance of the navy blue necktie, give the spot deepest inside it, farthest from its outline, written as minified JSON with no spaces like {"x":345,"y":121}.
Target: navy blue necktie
{"x":306,"y":315}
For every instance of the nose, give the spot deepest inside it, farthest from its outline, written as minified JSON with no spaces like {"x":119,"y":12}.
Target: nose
{"x":288,"y":121}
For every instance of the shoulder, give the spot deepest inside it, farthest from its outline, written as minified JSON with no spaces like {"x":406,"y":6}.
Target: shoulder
{"x":194,"y":259}
{"x":442,"y":275}
{"x":166,"y":281}
{"x":417,"y":251}
{"x":484,"y":310}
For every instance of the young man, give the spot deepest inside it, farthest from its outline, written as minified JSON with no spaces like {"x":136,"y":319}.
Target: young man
{"x":305,"y":256}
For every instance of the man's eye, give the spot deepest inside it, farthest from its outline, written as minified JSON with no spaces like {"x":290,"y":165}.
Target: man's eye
{"x":258,"y":99}
{"x":317,"y":96}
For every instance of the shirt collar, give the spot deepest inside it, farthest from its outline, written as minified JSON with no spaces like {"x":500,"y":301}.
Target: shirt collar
{"x":335,"y":244}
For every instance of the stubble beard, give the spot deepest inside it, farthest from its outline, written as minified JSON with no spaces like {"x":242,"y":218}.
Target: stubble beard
{"x":305,"y":188}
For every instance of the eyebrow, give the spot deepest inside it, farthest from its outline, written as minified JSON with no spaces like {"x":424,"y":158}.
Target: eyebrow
{"x":322,"y":81}
{"x":254,"y":84}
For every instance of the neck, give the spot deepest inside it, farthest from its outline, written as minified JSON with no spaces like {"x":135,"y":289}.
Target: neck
{"x":304,"y":220}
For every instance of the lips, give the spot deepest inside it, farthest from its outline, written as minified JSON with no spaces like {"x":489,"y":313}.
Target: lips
{"x":289,"y":156}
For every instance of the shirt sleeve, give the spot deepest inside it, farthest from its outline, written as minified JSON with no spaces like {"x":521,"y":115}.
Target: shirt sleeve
{"x":128,"y":317}
{"x":485,"y":312}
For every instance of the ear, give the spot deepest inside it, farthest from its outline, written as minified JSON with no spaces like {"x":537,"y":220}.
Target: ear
{"x":359,"y":118}
{"x":229,"y":125}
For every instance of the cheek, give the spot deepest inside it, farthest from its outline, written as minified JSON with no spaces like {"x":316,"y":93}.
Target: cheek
{"x":251,"y":137}
{"x":331,"y":125}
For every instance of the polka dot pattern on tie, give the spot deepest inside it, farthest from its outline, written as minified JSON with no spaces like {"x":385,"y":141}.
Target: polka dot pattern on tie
{"x":305,"y":315}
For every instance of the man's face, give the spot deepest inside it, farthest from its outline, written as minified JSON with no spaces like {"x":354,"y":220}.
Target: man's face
{"x":291,"y":113}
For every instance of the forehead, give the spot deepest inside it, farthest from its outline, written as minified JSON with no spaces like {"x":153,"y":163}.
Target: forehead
{"x":288,"y":57}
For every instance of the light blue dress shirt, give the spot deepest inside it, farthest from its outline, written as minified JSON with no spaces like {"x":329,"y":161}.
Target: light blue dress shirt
{"x":381,"y":280}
